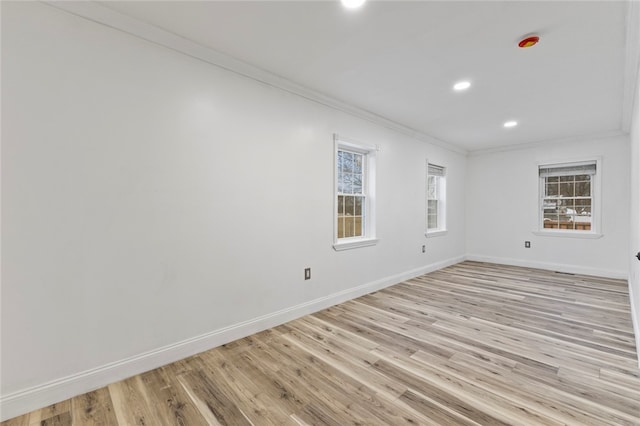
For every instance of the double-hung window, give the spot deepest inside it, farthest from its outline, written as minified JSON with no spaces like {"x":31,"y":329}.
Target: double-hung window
{"x":569,"y":199}
{"x":354,"y":195}
{"x":436,"y":199}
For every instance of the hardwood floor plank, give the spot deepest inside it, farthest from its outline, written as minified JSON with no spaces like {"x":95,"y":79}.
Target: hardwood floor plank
{"x":169,"y":400}
{"x":131,"y":404}
{"x":629,"y":380}
{"x":53,"y":410}
{"x":205,"y":393}
{"x":63,"y":419}
{"x":17,"y":421}
{"x":437,"y":412}
{"x":245,"y":392}
{"x":93,"y":408}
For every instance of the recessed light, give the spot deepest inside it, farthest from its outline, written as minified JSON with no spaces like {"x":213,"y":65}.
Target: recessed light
{"x":352,"y":4}
{"x":461,"y":85}
{"x":510,"y":124}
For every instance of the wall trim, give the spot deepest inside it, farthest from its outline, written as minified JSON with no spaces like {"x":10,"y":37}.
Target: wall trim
{"x":558,"y":267}
{"x":549,"y":142}
{"x":24,"y":401}
{"x":103,"y":15}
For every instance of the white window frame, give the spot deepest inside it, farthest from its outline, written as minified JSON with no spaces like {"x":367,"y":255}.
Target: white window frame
{"x":596,"y":201}
{"x":369,"y":189}
{"x":442,"y":203}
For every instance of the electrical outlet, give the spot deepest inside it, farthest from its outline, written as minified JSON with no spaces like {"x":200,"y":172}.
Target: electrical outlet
{"x":527,"y":244}
{"x":307,"y":273}
{"x":424,"y":249}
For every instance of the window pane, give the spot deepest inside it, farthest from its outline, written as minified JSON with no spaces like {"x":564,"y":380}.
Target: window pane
{"x":341,"y":227}
{"x":358,"y":206}
{"x":583,"y":216}
{"x":340,"y":205}
{"x":566,"y":189}
{"x":551,"y":220}
{"x":432,"y":207}
{"x":553,"y":179}
{"x":432,"y":188}
{"x":583,"y":189}
{"x":567,"y":178}
{"x":357,"y":184}
{"x":349,"y":228}
{"x":551,"y":217}
{"x":432,"y":214}
{"x":583,"y":211}
{"x":551,"y":203}
{"x":357,"y":163}
{"x":431,"y":194}
{"x":584,"y":178}
{"x":347,"y":183}
{"x":552,"y":189}
{"x":357,"y":221}
{"x":340,"y":161}
{"x":347,"y":164}
{"x":582,"y":203}
{"x":432,"y":221}
{"x":349,"y":206}
{"x":564,"y":217}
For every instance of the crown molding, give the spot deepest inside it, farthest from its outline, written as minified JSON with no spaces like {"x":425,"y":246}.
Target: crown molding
{"x":632,"y":62}
{"x":536,"y":144}
{"x":103,"y":15}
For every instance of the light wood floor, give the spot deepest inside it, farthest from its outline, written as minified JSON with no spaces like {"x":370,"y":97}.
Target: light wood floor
{"x":472,"y":344}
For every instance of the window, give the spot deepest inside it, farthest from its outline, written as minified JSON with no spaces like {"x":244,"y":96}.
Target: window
{"x":351,"y":197}
{"x":569,"y":197}
{"x":436,"y":200}
{"x":354,"y":177}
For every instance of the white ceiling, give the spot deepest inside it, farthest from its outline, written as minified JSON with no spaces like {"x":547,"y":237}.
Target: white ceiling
{"x":400,"y":59}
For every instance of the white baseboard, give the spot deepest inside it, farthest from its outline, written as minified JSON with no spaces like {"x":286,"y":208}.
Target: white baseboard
{"x":30,"y":399}
{"x":559,"y":267}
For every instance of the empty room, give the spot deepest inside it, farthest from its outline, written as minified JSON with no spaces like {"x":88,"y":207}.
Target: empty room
{"x":325,"y":212}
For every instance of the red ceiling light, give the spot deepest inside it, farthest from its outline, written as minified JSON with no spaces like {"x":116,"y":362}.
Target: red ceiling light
{"x":528,"y":42}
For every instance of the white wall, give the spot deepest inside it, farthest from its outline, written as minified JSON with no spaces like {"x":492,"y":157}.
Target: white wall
{"x":634,"y":246}
{"x":150,"y":198}
{"x":502,"y":209}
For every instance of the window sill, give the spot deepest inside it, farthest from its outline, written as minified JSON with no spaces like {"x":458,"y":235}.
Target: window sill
{"x":568,"y":234}
{"x":348,"y":245}
{"x":430,"y":234}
